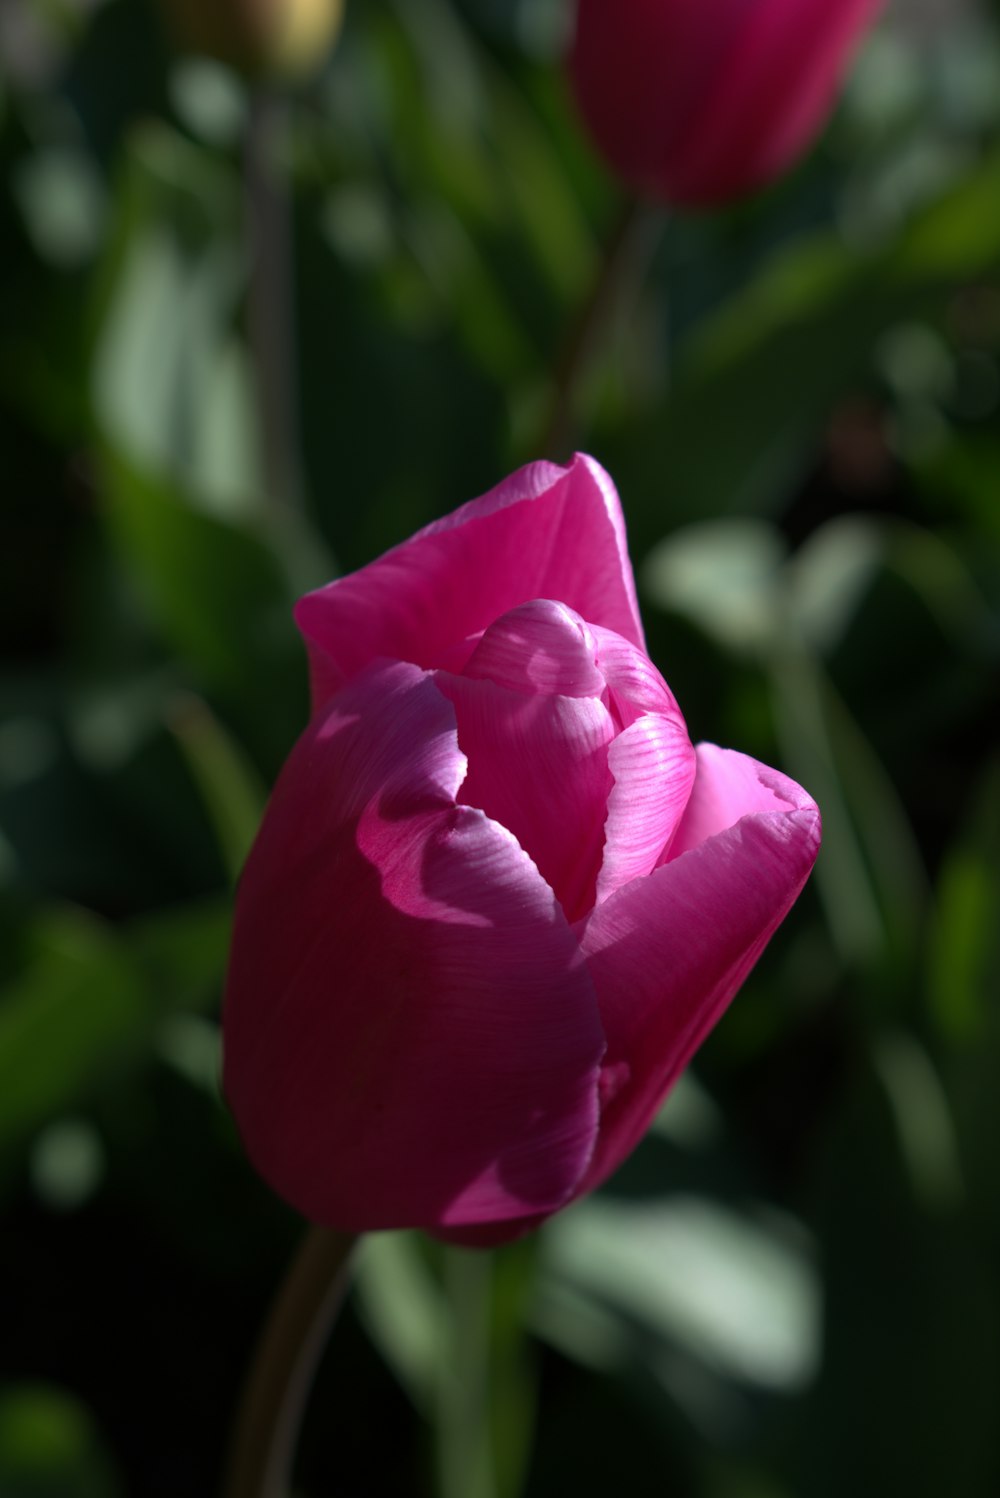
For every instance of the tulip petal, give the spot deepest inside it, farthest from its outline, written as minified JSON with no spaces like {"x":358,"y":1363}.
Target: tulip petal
{"x":542,"y":647}
{"x":729,"y":786}
{"x":546,"y":532}
{"x":633,"y":684}
{"x":668,"y":953}
{"x":539,"y":766}
{"x":653,"y":766}
{"x":411,"y":1037}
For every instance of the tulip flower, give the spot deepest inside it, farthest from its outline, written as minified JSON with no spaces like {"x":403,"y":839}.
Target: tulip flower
{"x":701,"y":101}
{"x":498,"y":898}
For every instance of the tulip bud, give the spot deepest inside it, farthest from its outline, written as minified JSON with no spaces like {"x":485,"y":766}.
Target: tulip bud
{"x":277,"y":37}
{"x":701,"y":101}
{"x":498,"y":897}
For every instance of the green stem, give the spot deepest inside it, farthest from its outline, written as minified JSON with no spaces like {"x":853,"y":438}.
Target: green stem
{"x":276,"y":1390}
{"x":625,"y":255}
{"x":465,"y":1454}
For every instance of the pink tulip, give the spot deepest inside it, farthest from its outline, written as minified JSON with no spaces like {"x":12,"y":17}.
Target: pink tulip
{"x":700,"y":101}
{"x":497,"y":899}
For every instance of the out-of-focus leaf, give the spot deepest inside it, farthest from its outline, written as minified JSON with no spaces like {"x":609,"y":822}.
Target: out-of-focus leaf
{"x":725,"y":575}
{"x":910,"y":1379}
{"x":963,"y":971}
{"x":230,"y":786}
{"x":754,"y":384}
{"x":171,"y":381}
{"x":828,"y":576}
{"x":214,"y":589}
{"x":88,"y":1002}
{"x":923,"y":1120}
{"x":182,"y":953}
{"x":690,"y":1118}
{"x":739,"y":1293}
{"x":734,"y":580}
{"x":67,"y":1163}
{"x":965,"y":469}
{"x":209,"y":99}
{"x":62,"y":199}
{"x":49,"y":1447}
{"x":193,"y":1047}
{"x":405,"y":1312}
{"x":74,"y":1014}
{"x":872,"y":879}
{"x":937,"y":574}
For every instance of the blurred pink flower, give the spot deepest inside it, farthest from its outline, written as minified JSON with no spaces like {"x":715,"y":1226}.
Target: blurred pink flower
{"x":497,"y":899}
{"x":700,"y":101}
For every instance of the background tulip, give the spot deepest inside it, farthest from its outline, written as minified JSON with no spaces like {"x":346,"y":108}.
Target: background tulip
{"x":498,"y":898}
{"x":699,"y":101}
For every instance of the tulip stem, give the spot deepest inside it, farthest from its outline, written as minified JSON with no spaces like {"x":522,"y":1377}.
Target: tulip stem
{"x":270,"y":301}
{"x":277,"y":1387}
{"x":624,"y":255}
{"x":465,"y":1452}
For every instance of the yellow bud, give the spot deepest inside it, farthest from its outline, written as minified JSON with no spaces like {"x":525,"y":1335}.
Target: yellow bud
{"x":274,"y":38}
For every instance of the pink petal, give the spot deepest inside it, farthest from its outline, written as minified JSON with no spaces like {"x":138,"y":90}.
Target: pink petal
{"x":668,"y":953}
{"x":411,"y":1038}
{"x":729,"y":786}
{"x":538,"y":764}
{"x":652,"y":763}
{"x":542,"y":647}
{"x":653,"y":766}
{"x":633,"y":684}
{"x":546,"y":532}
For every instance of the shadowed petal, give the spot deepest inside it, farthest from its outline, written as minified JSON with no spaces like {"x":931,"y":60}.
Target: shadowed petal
{"x":411,"y":1037}
{"x":668,"y":953}
{"x":546,"y":532}
{"x":770,"y":94}
{"x":539,"y":766}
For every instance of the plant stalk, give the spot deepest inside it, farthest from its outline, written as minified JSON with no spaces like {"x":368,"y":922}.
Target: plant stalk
{"x":465,"y":1450}
{"x":277,"y":1387}
{"x":270,"y":301}
{"x":624,"y":257}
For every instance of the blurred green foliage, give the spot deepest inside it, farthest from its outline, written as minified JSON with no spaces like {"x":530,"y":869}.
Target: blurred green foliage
{"x":250,"y":339}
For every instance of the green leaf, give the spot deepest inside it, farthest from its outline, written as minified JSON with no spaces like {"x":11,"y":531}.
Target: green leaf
{"x":89,"y":1002}
{"x":171,"y":380}
{"x":737,"y":1292}
{"x":755,"y":382}
{"x":963,"y":970}
{"x":404,"y":1311}
{"x":49,"y":1447}
{"x":216,"y":591}
{"x":67,"y":1021}
{"x":726,"y":576}
{"x":230,"y":787}
{"x":912,"y":1326}
{"x":182,"y":954}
